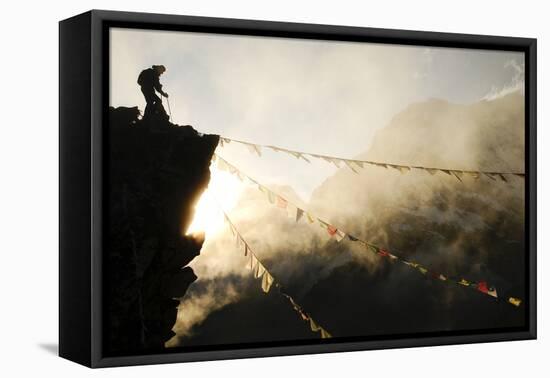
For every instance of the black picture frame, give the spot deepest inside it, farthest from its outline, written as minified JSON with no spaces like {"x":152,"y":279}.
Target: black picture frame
{"x":83,"y":104}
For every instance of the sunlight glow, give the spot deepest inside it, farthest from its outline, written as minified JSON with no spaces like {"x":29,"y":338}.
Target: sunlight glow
{"x":223,"y":189}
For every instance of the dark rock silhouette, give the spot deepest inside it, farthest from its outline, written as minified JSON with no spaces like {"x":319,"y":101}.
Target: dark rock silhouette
{"x":157,"y":172}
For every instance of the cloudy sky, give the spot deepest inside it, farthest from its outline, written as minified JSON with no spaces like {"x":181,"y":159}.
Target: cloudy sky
{"x":318,"y":96}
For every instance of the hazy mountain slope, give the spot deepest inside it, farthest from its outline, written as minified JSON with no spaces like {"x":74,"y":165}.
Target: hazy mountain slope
{"x":471,"y":228}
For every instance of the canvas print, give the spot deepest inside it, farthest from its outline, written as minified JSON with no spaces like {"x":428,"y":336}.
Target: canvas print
{"x":268,"y":191}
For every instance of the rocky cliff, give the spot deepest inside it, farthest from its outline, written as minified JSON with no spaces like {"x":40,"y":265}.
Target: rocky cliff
{"x":156,"y":173}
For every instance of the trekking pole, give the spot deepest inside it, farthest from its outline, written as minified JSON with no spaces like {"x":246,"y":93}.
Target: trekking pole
{"x":169,"y":110}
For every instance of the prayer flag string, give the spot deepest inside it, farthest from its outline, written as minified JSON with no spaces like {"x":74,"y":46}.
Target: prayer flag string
{"x":296,"y":213}
{"x":260,"y":272}
{"x":355,"y":164}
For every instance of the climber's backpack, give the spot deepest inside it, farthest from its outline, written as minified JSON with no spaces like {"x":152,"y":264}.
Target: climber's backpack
{"x":142,"y":78}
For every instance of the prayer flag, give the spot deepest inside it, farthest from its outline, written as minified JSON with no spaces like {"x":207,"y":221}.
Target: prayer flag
{"x":271,"y":196}
{"x":251,"y":262}
{"x":464,"y":282}
{"x":335,"y":161}
{"x":314,"y":327}
{"x":352,"y":238}
{"x":297,"y":155}
{"x":400,"y":168}
{"x":458,"y":175}
{"x":292,"y":211}
{"x":267,"y":281}
{"x":254,"y":149}
{"x":299,"y":213}
{"x":474,"y":174}
{"x":340,"y":235}
{"x":359,"y":163}
{"x":260,"y":270}
{"x":372,"y":248}
{"x":381,"y":252}
{"x":515,"y":301}
{"x":431,"y":171}
{"x":492,"y":292}
{"x":482,"y":286}
{"x":347,"y":162}
{"x":422,"y":270}
{"x":281,"y":202}
{"x":222,"y":165}
{"x":325,"y":334}
{"x":310,"y":218}
{"x":331,"y":230}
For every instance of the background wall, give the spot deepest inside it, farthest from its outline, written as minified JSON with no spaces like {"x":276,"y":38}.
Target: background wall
{"x":28,"y":200}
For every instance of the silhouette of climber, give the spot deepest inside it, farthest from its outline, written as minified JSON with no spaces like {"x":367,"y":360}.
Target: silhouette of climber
{"x":149,"y":80}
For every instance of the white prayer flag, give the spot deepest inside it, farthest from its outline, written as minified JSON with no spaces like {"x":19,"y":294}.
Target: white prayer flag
{"x":339,"y":235}
{"x":291,"y":211}
{"x":222,"y":165}
{"x":253,"y":148}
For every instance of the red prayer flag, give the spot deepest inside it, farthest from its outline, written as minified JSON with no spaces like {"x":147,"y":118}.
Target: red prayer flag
{"x":482,"y":286}
{"x":281,"y":202}
{"x":331,"y":230}
{"x":381,"y":252}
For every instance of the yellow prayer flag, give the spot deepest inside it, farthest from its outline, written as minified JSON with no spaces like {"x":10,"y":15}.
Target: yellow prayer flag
{"x":348,"y":163}
{"x":515,"y":301}
{"x":270,"y":196}
{"x":260,"y":270}
{"x":325,"y":334}
{"x":267,"y":281}
{"x":314,"y":327}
